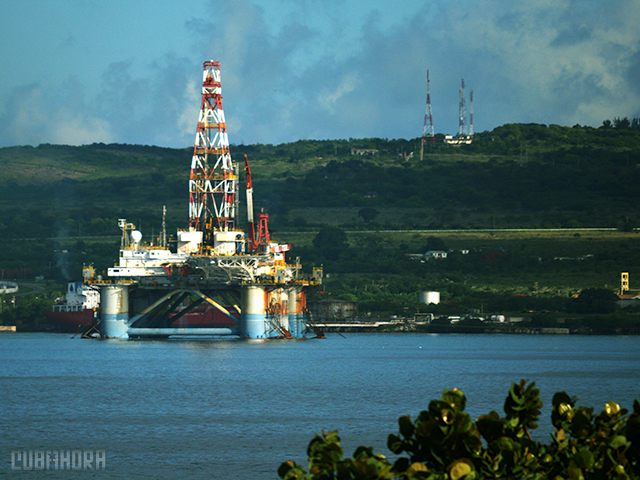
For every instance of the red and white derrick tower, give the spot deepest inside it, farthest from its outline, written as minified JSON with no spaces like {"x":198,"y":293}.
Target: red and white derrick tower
{"x":428,"y":120}
{"x":213,"y":183}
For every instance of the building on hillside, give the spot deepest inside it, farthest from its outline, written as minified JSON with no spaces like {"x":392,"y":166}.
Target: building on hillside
{"x":435,"y":254}
{"x":458,"y":139}
{"x":629,"y":298}
{"x":364,"y":151}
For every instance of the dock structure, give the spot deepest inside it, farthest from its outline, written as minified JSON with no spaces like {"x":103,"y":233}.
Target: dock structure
{"x":213,"y":278}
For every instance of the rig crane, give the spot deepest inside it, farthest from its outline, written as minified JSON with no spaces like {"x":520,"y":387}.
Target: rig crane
{"x":251,"y":231}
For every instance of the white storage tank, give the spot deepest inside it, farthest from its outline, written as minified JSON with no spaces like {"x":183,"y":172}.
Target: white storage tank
{"x":429,"y":297}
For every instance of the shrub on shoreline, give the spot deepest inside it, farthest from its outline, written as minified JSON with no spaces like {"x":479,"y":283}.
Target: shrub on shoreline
{"x":444,"y":443}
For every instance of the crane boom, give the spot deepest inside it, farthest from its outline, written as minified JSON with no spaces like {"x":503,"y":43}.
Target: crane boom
{"x":251,"y":230}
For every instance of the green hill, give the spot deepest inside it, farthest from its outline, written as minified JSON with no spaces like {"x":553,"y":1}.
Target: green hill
{"x":513,"y":176}
{"x":60,"y":204}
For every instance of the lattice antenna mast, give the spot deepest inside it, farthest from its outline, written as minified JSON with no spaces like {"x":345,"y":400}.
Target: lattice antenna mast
{"x":428,"y":120}
{"x":471,"y":114}
{"x":213,"y":184}
{"x":462,"y":122}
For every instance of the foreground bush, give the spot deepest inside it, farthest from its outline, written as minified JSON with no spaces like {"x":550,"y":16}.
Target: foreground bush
{"x":444,"y":443}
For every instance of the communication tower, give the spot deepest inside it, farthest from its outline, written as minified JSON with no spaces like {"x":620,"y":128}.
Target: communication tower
{"x":471,"y":115}
{"x":428,"y":120}
{"x":213,"y":183}
{"x":465,"y":134}
{"x":462,"y":119}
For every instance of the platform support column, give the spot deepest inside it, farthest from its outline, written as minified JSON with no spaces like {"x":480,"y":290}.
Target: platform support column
{"x":253,"y":320}
{"x":296,"y":317}
{"x":114,"y":305}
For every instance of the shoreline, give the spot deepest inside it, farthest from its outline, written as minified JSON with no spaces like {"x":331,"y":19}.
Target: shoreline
{"x":464,"y":329}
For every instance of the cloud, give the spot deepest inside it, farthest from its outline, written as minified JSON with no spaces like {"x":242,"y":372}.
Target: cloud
{"x":329,"y":99}
{"x":36,"y":115}
{"x":74,"y":128}
{"x":189,"y":109}
{"x":546,"y":73}
{"x":535,"y":61}
{"x":337,"y":69}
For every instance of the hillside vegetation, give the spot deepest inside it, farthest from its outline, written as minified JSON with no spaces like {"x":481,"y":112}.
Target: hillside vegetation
{"x":60,"y":206}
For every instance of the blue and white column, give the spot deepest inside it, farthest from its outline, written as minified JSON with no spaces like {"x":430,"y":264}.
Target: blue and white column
{"x":296,"y":323}
{"x":253,"y":319}
{"x":114,"y":305}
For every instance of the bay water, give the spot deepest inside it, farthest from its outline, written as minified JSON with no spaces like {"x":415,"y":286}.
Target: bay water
{"x":232,"y":409}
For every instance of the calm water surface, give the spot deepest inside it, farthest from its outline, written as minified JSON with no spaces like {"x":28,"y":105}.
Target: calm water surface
{"x":217,"y":409}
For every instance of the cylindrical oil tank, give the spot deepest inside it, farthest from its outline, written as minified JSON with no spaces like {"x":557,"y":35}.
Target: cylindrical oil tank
{"x":429,"y":297}
{"x":114,"y":306}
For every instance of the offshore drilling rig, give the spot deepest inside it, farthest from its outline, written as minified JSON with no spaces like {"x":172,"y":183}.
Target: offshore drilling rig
{"x":214,"y":278}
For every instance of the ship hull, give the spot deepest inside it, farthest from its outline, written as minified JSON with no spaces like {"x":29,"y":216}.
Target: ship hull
{"x":83,"y":318}
{"x":207,"y":318}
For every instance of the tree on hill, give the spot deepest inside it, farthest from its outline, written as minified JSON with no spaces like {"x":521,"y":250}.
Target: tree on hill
{"x":368,"y":214}
{"x":331,"y":242}
{"x":594,"y":300}
{"x":435,"y":244}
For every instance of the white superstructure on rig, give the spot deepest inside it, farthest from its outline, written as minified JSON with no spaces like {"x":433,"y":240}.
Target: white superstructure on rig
{"x":213,"y":261}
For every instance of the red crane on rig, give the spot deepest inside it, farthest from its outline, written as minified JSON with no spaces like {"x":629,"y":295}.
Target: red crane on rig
{"x":253,"y":244}
{"x":263,"y":218}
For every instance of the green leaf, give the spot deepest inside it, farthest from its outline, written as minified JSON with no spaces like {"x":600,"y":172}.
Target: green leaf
{"x":561,"y":397}
{"x":584,"y":459}
{"x":515,"y":394}
{"x":618,"y":441}
{"x":505,"y":444}
{"x":395,"y":444}
{"x":455,"y":398}
{"x":406,"y":426}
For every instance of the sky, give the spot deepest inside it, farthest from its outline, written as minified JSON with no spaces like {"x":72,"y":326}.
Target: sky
{"x":77,"y":72}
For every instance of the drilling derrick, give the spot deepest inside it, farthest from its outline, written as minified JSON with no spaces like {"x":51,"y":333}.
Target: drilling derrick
{"x":213,"y":183}
{"x":428,"y":120}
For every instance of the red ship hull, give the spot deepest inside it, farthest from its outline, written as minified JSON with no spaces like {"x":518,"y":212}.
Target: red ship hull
{"x":84,"y":318}
{"x":207,"y":318}
{"x":203,"y":318}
